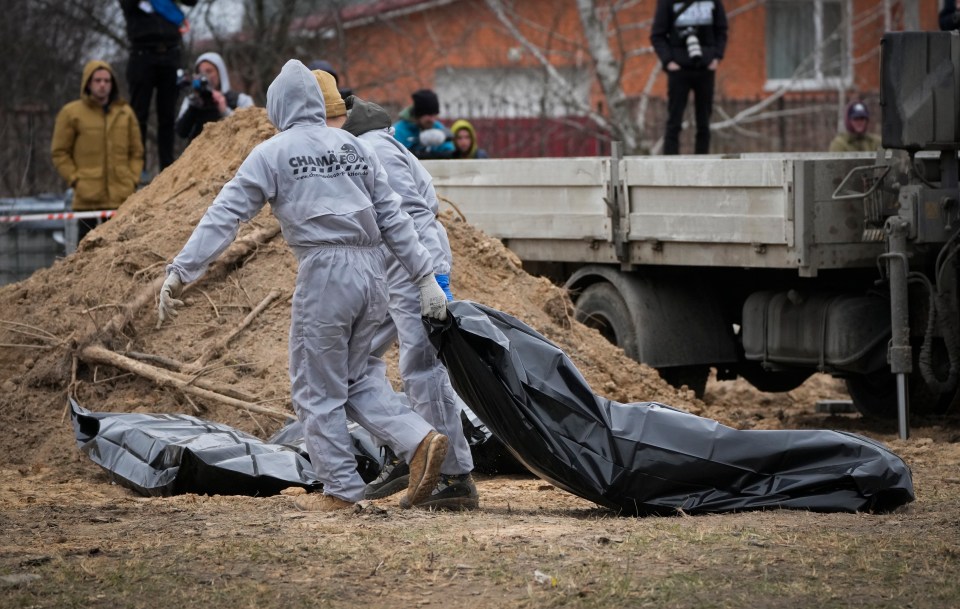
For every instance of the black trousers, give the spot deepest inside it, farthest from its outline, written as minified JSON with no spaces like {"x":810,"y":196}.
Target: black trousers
{"x":679,"y":86}
{"x":152,"y":70}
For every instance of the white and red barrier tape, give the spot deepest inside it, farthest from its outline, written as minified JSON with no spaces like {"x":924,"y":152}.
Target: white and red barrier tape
{"x":67,"y":215}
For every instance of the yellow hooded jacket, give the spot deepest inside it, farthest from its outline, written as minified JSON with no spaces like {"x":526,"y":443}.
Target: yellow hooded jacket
{"x":464,"y":124}
{"x":99,"y":153}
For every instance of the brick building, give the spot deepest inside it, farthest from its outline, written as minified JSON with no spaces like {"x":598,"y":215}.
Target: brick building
{"x":800,"y":61}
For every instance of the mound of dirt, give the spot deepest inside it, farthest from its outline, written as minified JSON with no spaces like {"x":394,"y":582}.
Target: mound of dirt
{"x":104,"y":295}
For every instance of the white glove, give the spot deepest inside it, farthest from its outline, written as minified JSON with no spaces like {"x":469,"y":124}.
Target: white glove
{"x":172,"y":287}
{"x":433,"y":302}
{"x":432,"y":137}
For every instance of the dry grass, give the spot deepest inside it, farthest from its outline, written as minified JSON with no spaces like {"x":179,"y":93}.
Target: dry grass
{"x":97,"y":545}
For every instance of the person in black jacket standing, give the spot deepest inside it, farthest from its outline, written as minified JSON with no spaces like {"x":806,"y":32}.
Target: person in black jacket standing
{"x":689,"y":37}
{"x":949,"y":17}
{"x":154,"y":31}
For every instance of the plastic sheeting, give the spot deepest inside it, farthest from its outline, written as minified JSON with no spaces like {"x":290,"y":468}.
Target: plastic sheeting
{"x":170,"y":454}
{"x":647,"y":458}
{"x":161,"y":455}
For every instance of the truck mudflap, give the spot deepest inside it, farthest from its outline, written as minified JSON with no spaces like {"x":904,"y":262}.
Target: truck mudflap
{"x":830,"y":332}
{"x":648,"y":458}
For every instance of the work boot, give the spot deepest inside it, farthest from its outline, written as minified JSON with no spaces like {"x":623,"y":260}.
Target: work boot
{"x":393,"y":478}
{"x":425,"y":467}
{"x":318,"y":502}
{"x":453,"y":492}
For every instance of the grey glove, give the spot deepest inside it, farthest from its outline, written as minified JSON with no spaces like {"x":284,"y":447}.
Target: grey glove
{"x":433,"y":302}
{"x":432,"y":137}
{"x":166,"y":309}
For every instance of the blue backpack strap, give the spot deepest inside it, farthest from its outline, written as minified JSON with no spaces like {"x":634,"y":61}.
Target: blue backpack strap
{"x":169,"y":10}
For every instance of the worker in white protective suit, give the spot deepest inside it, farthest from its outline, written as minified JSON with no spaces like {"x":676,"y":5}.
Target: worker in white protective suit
{"x":425,"y":380}
{"x":330,"y":194}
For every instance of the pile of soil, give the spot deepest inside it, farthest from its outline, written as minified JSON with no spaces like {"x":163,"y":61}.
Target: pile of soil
{"x":85,"y":299}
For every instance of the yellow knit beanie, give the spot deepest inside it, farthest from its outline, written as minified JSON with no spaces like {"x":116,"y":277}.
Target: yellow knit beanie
{"x":331,"y":95}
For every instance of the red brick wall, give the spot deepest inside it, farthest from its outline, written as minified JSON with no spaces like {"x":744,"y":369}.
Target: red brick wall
{"x":387,"y":60}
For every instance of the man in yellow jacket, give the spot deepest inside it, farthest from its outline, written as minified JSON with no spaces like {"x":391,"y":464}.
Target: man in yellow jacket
{"x":96,"y":145}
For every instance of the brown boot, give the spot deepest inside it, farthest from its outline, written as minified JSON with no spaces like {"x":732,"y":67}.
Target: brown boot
{"x":425,"y":468}
{"x":318,"y":502}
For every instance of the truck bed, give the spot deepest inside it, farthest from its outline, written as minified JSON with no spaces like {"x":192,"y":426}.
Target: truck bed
{"x":748,"y":211}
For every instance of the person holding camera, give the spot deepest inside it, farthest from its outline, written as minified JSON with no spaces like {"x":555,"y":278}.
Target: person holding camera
{"x":419,"y":130}
{"x":689,"y":37}
{"x":210,"y":98}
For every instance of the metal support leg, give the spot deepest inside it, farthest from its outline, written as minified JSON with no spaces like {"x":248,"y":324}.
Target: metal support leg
{"x":900,"y":354}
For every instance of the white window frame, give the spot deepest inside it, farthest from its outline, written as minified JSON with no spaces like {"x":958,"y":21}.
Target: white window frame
{"x":819,"y":81}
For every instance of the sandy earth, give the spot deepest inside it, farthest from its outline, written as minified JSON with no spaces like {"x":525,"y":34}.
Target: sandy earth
{"x":46,"y":483}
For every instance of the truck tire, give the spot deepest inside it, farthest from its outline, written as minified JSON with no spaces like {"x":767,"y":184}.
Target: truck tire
{"x":602,"y":308}
{"x":875,"y":396}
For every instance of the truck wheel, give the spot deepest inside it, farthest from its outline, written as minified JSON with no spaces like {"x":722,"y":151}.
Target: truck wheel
{"x":602,"y":308}
{"x":875,"y":396}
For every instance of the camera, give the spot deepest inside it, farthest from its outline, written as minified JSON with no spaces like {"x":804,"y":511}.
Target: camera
{"x":689,"y":36}
{"x":200,"y":92}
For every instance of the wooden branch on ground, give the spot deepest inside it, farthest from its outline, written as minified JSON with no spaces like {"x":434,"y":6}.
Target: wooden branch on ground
{"x":240,"y":249}
{"x":174,"y":365}
{"x":25,"y":346}
{"x":37,"y":333}
{"x":98,"y":354}
{"x":217,"y":348}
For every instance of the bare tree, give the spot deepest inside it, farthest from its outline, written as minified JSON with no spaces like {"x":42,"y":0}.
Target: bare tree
{"x":45,"y":46}
{"x":272,"y":31}
{"x":609,"y":70}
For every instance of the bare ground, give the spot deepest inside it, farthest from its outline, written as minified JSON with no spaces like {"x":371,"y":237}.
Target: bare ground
{"x":70,"y":538}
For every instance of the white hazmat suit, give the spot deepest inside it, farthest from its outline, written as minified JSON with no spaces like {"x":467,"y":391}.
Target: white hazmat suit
{"x":426,"y":382}
{"x":330,"y":194}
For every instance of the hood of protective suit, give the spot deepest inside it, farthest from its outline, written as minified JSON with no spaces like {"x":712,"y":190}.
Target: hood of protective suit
{"x":218,"y":62}
{"x":88,"y":70}
{"x":365,"y":116}
{"x":294,"y":98}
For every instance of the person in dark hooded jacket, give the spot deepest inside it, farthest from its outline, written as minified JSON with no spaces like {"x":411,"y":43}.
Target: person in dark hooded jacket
{"x":211,"y":99}
{"x":857,"y":138}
